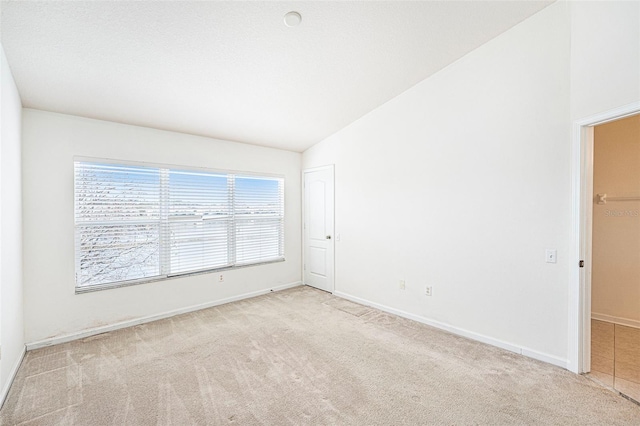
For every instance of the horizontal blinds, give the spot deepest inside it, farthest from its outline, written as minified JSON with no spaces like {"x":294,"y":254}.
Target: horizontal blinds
{"x":118,"y":223}
{"x":136,"y":222}
{"x":259,"y":219}
{"x":199,"y":221}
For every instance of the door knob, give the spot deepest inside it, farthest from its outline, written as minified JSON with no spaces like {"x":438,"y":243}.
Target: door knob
{"x":328,"y":237}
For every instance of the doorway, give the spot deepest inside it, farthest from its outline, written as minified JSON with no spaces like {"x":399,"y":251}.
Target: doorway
{"x":615,"y":256}
{"x":318,"y":255}
{"x":579,"y":312}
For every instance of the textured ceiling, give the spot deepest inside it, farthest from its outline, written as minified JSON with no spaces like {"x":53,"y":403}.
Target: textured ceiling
{"x":233,"y":70}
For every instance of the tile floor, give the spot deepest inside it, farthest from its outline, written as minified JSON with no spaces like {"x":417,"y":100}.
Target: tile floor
{"x":615,"y":357}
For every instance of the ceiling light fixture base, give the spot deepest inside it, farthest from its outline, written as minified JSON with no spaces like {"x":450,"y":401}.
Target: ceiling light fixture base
{"x":292,"y":19}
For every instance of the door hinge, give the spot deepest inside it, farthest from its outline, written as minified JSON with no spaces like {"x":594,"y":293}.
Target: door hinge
{"x":581,"y":263}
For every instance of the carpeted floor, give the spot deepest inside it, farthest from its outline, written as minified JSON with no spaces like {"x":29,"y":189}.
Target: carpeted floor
{"x":299,"y":356}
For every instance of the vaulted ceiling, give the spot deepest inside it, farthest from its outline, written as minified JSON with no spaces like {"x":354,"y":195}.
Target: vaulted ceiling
{"x":234,"y":70}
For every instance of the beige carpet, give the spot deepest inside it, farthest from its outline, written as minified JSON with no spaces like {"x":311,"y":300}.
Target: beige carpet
{"x":299,"y":356}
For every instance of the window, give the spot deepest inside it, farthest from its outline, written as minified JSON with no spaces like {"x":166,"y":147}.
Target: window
{"x":139,"y":223}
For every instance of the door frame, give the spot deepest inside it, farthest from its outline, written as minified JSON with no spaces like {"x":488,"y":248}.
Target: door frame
{"x":579,"y":321}
{"x":304,"y":217}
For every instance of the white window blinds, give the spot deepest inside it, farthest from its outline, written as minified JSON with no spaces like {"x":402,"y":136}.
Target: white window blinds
{"x":199,"y":221}
{"x":140,"y":223}
{"x":118,"y":221}
{"x":259,"y":219}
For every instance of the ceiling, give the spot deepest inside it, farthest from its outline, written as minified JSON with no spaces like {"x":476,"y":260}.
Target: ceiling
{"x":233,"y":70}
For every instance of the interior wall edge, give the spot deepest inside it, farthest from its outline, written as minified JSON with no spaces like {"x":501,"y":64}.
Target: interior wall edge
{"x":150,"y":318}
{"x":530,"y":353}
{"x":12,"y":376}
{"x":12,"y":328}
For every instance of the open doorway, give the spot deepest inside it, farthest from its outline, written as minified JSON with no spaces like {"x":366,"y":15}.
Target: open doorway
{"x":615,"y":256}
{"x":579,"y":318}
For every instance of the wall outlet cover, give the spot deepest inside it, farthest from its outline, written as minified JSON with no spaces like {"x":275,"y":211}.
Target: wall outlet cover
{"x":551,"y":256}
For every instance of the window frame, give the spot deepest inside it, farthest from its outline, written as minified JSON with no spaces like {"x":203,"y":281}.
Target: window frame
{"x":164,"y":274}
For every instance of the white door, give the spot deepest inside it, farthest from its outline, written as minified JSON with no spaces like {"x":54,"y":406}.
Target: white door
{"x":318,"y":228}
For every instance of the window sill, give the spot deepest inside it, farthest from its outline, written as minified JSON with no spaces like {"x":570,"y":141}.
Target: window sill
{"x":100,"y":287}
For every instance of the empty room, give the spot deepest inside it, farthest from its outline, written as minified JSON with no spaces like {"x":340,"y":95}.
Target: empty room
{"x":320,"y":212}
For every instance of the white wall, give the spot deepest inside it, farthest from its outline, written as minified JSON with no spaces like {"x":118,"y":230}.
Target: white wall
{"x":50,"y":141}
{"x":11,"y":317}
{"x":461,"y":183}
{"x":605,"y":56}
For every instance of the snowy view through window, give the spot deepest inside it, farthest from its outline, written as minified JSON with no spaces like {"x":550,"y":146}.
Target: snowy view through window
{"x":136,"y":222}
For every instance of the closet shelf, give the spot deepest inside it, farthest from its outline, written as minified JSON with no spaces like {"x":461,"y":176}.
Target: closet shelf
{"x":604,"y":198}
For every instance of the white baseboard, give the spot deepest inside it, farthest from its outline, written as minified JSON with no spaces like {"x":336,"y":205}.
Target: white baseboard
{"x":12,"y":376}
{"x":130,"y":323}
{"x":615,"y":320}
{"x":551,"y":359}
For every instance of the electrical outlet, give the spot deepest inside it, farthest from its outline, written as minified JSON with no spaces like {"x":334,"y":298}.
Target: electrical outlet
{"x":551,"y":255}
{"x":401,"y":285}
{"x":428,"y":290}
{"x":220,"y":278}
